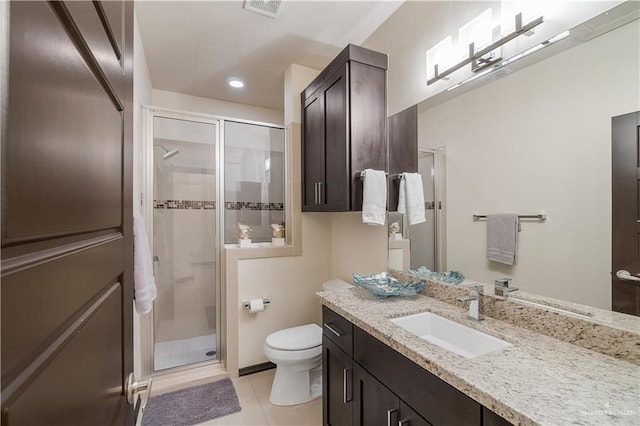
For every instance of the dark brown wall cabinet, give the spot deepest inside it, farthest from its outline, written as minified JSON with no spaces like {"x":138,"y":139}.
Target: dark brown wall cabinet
{"x":366,"y":383}
{"x":343,"y":129}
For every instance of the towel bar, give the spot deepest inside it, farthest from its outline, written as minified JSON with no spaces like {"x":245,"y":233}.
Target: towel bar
{"x":541,"y":216}
{"x":360,"y":175}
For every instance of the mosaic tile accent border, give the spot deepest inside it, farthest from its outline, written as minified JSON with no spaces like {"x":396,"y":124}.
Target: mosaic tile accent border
{"x":210,"y":205}
{"x":184,"y":205}
{"x":246,"y":205}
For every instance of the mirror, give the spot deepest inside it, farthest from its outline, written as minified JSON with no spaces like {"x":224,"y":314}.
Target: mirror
{"x":537,"y":140}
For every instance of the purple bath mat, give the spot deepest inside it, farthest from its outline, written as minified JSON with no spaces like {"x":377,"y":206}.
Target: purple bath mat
{"x":192,"y":405}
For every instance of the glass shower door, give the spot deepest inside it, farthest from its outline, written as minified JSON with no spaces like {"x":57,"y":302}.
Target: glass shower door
{"x":184,"y":242}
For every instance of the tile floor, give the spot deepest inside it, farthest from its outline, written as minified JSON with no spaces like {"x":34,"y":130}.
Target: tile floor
{"x":253,"y":394}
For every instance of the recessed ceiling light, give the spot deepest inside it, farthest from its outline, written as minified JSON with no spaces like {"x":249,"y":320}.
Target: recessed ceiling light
{"x":235,"y":82}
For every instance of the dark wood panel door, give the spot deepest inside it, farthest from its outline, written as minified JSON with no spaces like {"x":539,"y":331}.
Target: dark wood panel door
{"x":337,"y":384}
{"x":374,"y":404}
{"x":625,"y":195}
{"x":67,"y":250}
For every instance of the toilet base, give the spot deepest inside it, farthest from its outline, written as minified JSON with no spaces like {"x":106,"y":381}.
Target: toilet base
{"x":292,"y":386}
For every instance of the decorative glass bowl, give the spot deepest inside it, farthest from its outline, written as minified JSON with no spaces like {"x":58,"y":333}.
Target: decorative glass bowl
{"x":383,"y":285}
{"x":450,"y":277}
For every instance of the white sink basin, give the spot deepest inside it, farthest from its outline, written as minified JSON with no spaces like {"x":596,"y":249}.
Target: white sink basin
{"x":450,"y":335}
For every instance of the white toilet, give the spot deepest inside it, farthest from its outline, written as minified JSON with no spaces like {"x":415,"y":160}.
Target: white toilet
{"x":297,"y":353}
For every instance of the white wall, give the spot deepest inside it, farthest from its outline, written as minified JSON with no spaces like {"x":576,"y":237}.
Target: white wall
{"x":141,"y":96}
{"x":540,"y":139}
{"x":182,"y":102}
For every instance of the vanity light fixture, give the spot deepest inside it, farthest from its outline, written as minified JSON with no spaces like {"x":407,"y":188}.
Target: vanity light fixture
{"x":235,"y":83}
{"x":477,"y":60}
{"x":514,"y":58}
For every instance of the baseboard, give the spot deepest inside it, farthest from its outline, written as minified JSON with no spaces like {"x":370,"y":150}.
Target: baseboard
{"x":256,"y":368}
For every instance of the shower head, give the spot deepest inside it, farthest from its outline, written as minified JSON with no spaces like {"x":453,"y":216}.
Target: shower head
{"x":168,"y":153}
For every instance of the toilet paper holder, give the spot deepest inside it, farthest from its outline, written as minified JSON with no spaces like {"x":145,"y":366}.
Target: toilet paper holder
{"x":246,"y":304}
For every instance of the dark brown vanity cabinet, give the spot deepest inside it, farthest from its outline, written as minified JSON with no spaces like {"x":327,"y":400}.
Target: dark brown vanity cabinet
{"x":375,"y":404}
{"x":366,"y":383}
{"x":343,"y":130}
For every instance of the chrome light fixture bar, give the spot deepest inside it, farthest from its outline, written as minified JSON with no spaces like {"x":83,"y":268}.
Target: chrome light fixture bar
{"x":512,"y":59}
{"x":478,"y":63}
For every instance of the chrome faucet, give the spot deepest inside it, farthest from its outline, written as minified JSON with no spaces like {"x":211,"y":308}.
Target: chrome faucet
{"x":502,"y":288}
{"x":476,"y":302}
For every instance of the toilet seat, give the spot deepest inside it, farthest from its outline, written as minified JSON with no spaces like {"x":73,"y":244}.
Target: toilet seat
{"x":295,"y":338}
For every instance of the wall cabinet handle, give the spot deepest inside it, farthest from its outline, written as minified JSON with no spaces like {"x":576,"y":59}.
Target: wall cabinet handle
{"x":346,"y":395}
{"x":389,"y":414}
{"x":315,"y":193}
{"x":336,"y":330}
{"x":405,"y":422}
{"x":320,"y":192}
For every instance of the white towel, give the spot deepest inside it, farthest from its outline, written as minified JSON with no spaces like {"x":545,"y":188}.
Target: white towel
{"x":411,"y":198}
{"x":502,"y":237}
{"x":374,"y":197}
{"x":144,"y":283}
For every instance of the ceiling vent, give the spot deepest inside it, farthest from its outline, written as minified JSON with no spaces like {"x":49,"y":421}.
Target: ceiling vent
{"x":269,"y":8}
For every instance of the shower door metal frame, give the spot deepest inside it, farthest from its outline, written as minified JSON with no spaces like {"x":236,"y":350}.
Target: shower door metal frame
{"x":439,"y":223}
{"x":147,"y":338}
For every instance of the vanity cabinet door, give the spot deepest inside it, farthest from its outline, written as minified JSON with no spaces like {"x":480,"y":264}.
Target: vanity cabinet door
{"x":489,"y":418}
{"x":408,"y":417}
{"x":374,"y":403}
{"x":337,"y":385}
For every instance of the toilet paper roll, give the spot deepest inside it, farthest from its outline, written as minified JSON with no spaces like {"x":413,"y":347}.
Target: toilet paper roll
{"x":255,"y":306}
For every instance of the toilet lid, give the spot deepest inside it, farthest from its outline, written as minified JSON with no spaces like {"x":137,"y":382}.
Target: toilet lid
{"x":296,"y":338}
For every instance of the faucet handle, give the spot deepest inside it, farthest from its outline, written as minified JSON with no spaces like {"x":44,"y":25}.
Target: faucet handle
{"x":502,"y":287}
{"x":503,"y":282}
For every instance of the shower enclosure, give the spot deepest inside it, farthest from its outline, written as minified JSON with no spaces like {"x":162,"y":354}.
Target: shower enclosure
{"x":185,"y":241}
{"x":203,"y":175}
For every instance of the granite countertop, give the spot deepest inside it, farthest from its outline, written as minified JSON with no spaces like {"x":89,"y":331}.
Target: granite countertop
{"x":540,"y":380}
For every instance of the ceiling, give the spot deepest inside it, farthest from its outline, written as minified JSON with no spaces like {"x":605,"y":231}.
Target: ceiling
{"x":194,"y":47}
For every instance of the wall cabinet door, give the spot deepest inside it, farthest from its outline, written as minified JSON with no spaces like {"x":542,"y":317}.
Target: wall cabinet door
{"x":337,"y":381}
{"x":334,"y":191}
{"x":326,"y":147}
{"x":312,"y":151}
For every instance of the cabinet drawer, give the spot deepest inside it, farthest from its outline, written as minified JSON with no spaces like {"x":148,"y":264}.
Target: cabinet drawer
{"x":338,"y":330}
{"x":432,"y":398}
